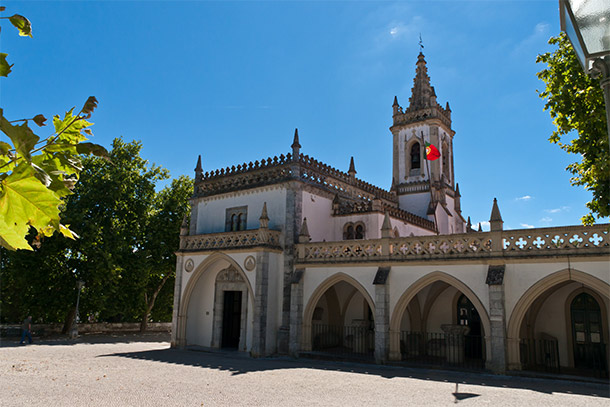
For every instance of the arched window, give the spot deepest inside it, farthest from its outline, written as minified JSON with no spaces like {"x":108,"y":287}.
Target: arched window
{"x":233,"y":223}
{"x":351,"y":231}
{"x":236,"y":219}
{"x":348,"y":232}
{"x":446,"y":163}
{"x":415,"y":157}
{"x":359,"y":232}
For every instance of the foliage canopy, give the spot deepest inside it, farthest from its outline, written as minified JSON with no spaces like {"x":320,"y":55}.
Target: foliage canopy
{"x":576,"y":103}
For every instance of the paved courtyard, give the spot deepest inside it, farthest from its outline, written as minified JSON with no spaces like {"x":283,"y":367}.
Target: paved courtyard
{"x":141,"y":370}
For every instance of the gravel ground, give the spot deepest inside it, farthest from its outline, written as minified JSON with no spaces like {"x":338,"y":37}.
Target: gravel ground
{"x":141,"y":370}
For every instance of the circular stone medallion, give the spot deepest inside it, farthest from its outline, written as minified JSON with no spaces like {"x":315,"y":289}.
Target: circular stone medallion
{"x":189,"y":265}
{"x":250,"y":263}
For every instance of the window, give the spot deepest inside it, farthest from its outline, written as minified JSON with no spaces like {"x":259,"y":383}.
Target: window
{"x":353,"y":231}
{"x":236,"y":219}
{"x":415,"y":159}
{"x":446,"y":164}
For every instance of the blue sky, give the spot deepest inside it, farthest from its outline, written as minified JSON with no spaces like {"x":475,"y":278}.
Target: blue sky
{"x":231,"y":81}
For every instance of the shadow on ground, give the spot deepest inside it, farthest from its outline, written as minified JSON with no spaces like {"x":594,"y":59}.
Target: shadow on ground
{"x":239,"y":363}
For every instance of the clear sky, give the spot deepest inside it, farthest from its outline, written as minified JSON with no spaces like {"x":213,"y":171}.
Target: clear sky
{"x":231,"y":81}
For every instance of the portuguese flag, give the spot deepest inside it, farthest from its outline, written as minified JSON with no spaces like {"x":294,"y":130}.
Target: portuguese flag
{"x":432,"y":152}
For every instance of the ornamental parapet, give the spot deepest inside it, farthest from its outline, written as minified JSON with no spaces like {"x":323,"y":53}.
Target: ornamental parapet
{"x":278,"y":169}
{"x":569,"y":240}
{"x":231,"y":240}
{"x":361,"y":207}
{"x":421,"y":114}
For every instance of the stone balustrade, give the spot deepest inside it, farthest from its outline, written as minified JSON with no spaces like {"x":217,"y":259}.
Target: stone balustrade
{"x":570,"y":240}
{"x":231,"y":240}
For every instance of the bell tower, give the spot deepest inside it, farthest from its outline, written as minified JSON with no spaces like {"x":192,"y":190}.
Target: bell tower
{"x":425,"y":188}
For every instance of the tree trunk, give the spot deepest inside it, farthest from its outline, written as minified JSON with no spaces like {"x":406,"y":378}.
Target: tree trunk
{"x":69,"y":321}
{"x":150,"y":304}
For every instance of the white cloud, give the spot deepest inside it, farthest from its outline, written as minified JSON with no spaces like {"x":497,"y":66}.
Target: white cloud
{"x":546,"y":219}
{"x":484,"y":225}
{"x":524,"y":198}
{"x":540,"y":32}
{"x":525,"y":225}
{"x":557,"y":210}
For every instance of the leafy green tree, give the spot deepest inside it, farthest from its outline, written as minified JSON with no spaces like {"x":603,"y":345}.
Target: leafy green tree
{"x":125,"y":253}
{"x":35,"y":173}
{"x":162,"y":238}
{"x":576,"y":103}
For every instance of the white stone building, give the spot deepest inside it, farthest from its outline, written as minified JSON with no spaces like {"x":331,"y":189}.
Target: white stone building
{"x":289,"y":255}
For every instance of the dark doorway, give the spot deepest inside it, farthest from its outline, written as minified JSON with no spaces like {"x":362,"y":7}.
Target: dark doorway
{"x":589,"y":347}
{"x":467,"y":315}
{"x":231,"y":319}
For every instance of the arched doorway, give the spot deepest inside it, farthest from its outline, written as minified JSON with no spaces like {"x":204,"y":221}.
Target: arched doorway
{"x":587,"y":334}
{"x":341,"y":317}
{"x":439,"y":321}
{"x":467,"y":315}
{"x":561,"y":324}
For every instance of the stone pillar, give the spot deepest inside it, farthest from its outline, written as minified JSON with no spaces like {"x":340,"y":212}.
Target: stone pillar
{"x":259,"y":321}
{"x":177,"y":340}
{"x":296,"y":312}
{"x":382,"y":315}
{"x":497,"y":316}
{"x":454,"y":338}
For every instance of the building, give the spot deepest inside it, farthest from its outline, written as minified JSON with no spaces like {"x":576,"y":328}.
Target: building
{"x":289,"y":255}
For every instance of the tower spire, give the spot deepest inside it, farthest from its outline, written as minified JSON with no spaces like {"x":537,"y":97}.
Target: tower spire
{"x":495,"y":219}
{"x":198,"y":169}
{"x":421,"y":91}
{"x":352,"y":168}
{"x":296,"y":146}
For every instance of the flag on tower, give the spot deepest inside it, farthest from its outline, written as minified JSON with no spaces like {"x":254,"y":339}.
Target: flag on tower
{"x":432,"y":152}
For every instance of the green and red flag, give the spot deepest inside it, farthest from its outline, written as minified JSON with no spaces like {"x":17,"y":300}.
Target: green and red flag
{"x":432,"y":152}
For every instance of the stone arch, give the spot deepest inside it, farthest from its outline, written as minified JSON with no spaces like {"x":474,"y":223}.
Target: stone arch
{"x":211,"y":260}
{"x":414,"y":289}
{"x":409,"y":160}
{"x":539,"y":288}
{"x":317,"y":295}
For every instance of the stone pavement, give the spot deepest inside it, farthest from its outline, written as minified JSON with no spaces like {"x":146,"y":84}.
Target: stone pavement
{"x":141,"y":370}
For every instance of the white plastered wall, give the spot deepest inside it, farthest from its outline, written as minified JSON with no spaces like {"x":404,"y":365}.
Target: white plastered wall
{"x":200,"y":311}
{"x":211,"y":212}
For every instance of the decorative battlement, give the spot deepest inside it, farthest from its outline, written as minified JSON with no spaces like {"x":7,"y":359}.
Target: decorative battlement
{"x":285,"y":168}
{"x":434,"y":112}
{"x":560,"y":241}
{"x":357,"y":207}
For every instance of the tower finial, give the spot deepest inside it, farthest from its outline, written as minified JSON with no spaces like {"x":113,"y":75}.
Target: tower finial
{"x":495,"y":220}
{"x":386,"y":227}
{"x":304,"y":234}
{"x":264,"y":219}
{"x":296,"y":146}
{"x":421,"y":44}
{"x":198,"y":169}
{"x":352,"y":168}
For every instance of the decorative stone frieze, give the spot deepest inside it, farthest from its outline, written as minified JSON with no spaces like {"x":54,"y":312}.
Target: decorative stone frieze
{"x":572,"y":240}
{"x":231,"y":240}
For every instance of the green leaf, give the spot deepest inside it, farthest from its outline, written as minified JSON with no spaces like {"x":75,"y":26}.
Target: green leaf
{"x":91,"y":148}
{"x":5,"y":68}
{"x":12,"y":237}
{"x":69,"y":128}
{"x":4,"y":148}
{"x":40,"y":120}
{"x":23,"y":25}
{"x":23,"y":137}
{"x":25,"y":202}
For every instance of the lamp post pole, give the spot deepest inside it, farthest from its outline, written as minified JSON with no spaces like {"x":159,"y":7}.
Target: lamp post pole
{"x":74,"y":331}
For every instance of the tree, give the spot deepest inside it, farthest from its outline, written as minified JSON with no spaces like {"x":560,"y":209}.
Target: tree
{"x":576,"y":103}
{"x":162,"y":238}
{"x":36,"y":174}
{"x":125,"y":253}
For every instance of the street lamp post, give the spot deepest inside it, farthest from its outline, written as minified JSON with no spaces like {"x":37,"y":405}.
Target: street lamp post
{"x":587,"y":24}
{"x":74,"y":331}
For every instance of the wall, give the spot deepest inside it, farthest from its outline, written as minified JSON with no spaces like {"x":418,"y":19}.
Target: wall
{"x":211,"y":211}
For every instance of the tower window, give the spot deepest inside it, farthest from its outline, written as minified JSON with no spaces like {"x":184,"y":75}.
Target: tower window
{"x":415,"y":155}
